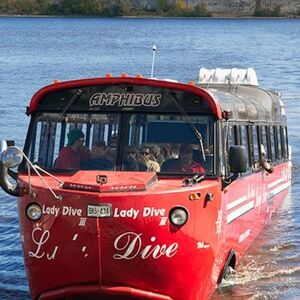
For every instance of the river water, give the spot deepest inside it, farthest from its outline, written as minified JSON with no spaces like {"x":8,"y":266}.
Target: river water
{"x":35,"y":51}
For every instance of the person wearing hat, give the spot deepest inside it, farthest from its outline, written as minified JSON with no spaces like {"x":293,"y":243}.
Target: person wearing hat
{"x":184,"y":163}
{"x":71,"y":156}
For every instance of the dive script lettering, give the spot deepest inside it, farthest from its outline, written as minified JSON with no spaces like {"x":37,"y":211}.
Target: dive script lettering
{"x":39,"y":240}
{"x":128,"y":100}
{"x":129,"y":244}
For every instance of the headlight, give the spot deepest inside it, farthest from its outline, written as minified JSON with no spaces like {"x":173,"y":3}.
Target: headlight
{"x":33,"y":212}
{"x":178,"y":216}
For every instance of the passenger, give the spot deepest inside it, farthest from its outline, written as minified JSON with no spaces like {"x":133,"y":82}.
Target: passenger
{"x":185,"y":162}
{"x":174,"y":150}
{"x":131,"y":162}
{"x":75,"y":153}
{"x":112,"y":148}
{"x":166,"y":151}
{"x":152,"y":166}
{"x":264,"y":162}
{"x":155,"y":151}
{"x":99,"y":160}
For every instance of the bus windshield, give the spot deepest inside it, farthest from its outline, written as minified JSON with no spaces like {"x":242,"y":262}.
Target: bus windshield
{"x":165,"y":143}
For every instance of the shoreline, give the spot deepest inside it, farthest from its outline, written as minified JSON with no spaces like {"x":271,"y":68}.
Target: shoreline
{"x":219,"y":16}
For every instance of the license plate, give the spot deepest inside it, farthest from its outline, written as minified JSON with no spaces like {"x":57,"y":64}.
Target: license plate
{"x":99,"y":211}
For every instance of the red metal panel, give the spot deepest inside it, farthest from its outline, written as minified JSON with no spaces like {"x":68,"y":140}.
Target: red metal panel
{"x":213,"y":103}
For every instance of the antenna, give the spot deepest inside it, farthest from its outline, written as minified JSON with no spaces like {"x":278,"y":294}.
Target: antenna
{"x":153,"y":60}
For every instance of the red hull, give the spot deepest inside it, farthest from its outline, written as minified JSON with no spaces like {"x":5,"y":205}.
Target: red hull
{"x":137,"y":253}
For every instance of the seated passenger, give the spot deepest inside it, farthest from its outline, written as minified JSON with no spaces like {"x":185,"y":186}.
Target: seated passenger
{"x":112,"y":146}
{"x":71,"y":156}
{"x":155,"y":151}
{"x":131,"y":162}
{"x":174,"y":150}
{"x":151,"y":165}
{"x":184,"y":163}
{"x":99,"y":160}
{"x":166,"y":151}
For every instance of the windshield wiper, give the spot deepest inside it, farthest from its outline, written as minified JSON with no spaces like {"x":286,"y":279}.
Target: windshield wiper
{"x":191,"y":125}
{"x":68,"y":105}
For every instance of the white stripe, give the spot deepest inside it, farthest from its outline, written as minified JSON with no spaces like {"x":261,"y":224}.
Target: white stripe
{"x":244,"y":235}
{"x":270,"y":185}
{"x":236,"y":202}
{"x":279,"y":189}
{"x":240,"y":211}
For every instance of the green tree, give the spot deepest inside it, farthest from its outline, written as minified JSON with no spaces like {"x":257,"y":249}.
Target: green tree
{"x":201,"y":10}
{"x":268,"y":12}
{"x":127,"y":7}
{"x":80,"y":7}
{"x":163,"y":7}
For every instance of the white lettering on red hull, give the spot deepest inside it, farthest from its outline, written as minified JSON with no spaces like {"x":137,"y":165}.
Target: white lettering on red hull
{"x":65,"y":211}
{"x":134,"y":213}
{"x":129,"y":213}
{"x":82,"y":222}
{"x":202,"y":245}
{"x":219,"y":222}
{"x":153,"y":212}
{"x":53,"y":210}
{"x":130,"y":246}
{"x":39,"y":242}
{"x":163,"y":221}
{"x":83,"y":250}
{"x":69,"y":211}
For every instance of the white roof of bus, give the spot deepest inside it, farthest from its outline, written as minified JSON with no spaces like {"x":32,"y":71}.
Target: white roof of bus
{"x":228,"y":76}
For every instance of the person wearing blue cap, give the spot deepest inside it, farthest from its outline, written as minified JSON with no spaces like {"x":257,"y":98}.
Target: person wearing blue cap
{"x":71,"y":156}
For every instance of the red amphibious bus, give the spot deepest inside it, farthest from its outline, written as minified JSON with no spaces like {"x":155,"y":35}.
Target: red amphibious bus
{"x":138,"y":188}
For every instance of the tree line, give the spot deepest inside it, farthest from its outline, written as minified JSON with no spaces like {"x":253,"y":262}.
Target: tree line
{"x":114,"y":8}
{"x":105,"y":8}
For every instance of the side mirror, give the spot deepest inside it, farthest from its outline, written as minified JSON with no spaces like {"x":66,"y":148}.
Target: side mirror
{"x":237,"y":159}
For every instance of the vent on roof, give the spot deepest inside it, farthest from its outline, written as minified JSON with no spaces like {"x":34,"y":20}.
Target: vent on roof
{"x":228,"y":76}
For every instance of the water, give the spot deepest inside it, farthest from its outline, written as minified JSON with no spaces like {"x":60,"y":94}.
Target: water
{"x":35,"y":51}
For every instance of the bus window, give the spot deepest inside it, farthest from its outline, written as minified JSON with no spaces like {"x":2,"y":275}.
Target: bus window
{"x":280,"y":142}
{"x":285,"y":142}
{"x":254,"y":142}
{"x":229,"y":133}
{"x":99,"y":133}
{"x":93,"y":141}
{"x":273,"y":143}
{"x":264,"y":141}
{"x":245,"y":142}
{"x":163,"y":139}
